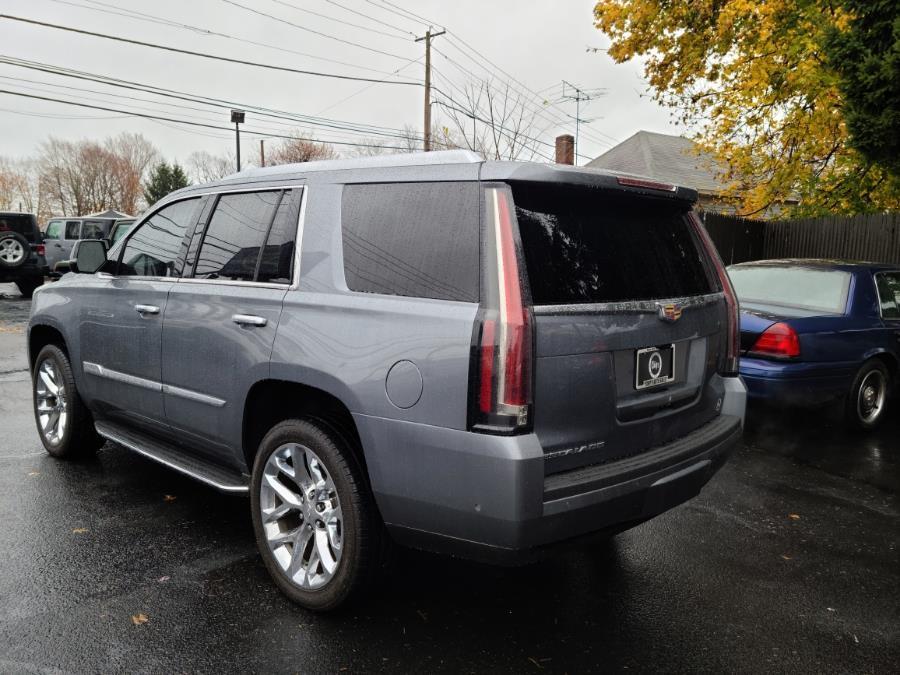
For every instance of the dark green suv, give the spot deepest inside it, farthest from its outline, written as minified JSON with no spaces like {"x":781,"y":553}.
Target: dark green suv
{"x":22,"y":258}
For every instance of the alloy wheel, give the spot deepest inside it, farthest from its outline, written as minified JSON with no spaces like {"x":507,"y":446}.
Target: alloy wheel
{"x":872,"y":394}
{"x":11,"y":251}
{"x":301,"y":515}
{"x":50,"y":395}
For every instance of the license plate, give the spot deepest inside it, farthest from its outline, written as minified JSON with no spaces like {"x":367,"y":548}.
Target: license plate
{"x":654,"y":366}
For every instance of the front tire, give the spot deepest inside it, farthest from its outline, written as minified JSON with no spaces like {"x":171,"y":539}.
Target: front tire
{"x":868,"y":396}
{"x":315,"y":521}
{"x":64,"y":423}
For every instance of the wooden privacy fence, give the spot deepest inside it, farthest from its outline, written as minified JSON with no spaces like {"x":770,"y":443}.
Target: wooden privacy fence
{"x":874,"y":237}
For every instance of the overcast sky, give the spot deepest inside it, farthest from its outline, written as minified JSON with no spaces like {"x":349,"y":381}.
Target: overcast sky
{"x":537,"y":42}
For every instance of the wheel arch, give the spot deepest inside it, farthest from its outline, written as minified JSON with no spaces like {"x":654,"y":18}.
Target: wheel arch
{"x":889,"y":360}
{"x":273,"y":400}
{"x":39,"y":336}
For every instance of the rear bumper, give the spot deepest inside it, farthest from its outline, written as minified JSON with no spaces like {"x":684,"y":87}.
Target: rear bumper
{"x":796,"y":384}
{"x":486,"y":497}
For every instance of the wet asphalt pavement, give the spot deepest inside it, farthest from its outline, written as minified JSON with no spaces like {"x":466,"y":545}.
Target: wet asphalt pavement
{"x":788,"y":561}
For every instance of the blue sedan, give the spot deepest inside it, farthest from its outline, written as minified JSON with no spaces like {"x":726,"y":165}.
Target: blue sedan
{"x":813,"y":331}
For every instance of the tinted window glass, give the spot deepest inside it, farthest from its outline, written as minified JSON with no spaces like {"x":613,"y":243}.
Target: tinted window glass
{"x":120,"y":229}
{"x":73,"y":229}
{"x":413,"y":239}
{"x":808,"y":288}
{"x":234,"y":235}
{"x":54,"y":229}
{"x":21,"y":223}
{"x":277,"y":262}
{"x":152,"y":251}
{"x":889,"y":294}
{"x":92,"y":230}
{"x":584,"y":246}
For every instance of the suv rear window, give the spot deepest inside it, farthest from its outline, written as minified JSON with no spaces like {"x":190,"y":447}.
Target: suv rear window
{"x":17,"y":222}
{"x":584,"y":245}
{"x":412,"y":239}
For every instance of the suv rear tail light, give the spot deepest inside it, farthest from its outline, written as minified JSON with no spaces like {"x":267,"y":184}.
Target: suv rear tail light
{"x":500,"y":395}
{"x":733,"y":344}
{"x":779,"y":340}
{"x":40,"y":249}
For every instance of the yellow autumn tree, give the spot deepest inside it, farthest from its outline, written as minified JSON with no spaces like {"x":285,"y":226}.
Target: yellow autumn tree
{"x":752,"y":76}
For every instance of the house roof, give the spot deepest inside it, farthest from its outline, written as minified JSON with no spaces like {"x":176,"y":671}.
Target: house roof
{"x":671,"y":159}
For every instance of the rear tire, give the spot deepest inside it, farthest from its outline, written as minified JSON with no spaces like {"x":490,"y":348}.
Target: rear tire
{"x":28,"y":286}
{"x":315,"y":521}
{"x":64,"y":423}
{"x":868,"y":397}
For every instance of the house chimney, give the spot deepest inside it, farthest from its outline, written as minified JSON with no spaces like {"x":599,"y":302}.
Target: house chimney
{"x":565,"y":149}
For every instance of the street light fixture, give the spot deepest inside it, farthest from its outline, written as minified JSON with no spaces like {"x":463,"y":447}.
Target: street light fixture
{"x":237,"y":118}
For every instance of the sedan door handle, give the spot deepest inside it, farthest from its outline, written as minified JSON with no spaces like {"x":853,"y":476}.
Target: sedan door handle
{"x":146,"y":309}
{"x":249,"y":320}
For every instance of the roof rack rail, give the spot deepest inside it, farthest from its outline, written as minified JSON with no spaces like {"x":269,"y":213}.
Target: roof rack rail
{"x":378,"y":161}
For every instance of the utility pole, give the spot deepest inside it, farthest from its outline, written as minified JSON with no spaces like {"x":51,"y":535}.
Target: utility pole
{"x":262,"y":152}
{"x":237,"y":116}
{"x":579,"y":96}
{"x":427,"y":38}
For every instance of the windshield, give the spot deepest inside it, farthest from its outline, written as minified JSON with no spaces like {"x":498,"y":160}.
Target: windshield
{"x":809,"y":288}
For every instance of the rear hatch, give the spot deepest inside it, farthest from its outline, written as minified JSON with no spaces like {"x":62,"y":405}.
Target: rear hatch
{"x":629,"y":322}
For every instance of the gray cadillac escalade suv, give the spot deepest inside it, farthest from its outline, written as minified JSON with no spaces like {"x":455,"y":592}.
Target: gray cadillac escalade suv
{"x":482,"y":358}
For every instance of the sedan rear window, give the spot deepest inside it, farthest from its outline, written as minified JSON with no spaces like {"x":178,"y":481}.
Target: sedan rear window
{"x":590,"y":246}
{"x":809,"y":288}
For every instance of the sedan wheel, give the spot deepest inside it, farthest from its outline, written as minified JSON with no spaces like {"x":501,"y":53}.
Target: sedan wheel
{"x":871,"y":398}
{"x":868,"y":396}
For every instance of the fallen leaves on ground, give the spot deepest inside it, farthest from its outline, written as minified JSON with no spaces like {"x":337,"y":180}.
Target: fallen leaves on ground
{"x":169,"y":498}
{"x":138,"y":619}
{"x":163,"y":580}
{"x":34,"y":473}
{"x":794,"y":516}
{"x":785,"y":557}
{"x":79,"y":530}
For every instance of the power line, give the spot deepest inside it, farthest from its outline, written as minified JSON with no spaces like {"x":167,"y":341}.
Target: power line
{"x":203,"y":54}
{"x":151,"y":18}
{"x":187,"y":122}
{"x":310,"y":30}
{"x":369,"y":17}
{"x":368,"y":29}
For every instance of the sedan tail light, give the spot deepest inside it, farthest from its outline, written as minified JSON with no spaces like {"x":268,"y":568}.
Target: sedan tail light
{"x":779,"y":340}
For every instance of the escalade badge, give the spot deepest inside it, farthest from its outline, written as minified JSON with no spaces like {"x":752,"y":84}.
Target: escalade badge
{"x":670,"y":312}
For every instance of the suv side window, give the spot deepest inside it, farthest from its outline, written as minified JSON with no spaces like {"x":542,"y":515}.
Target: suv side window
{"x":889,"y":294}
{"x":54,"y":229}
{"x":231,"y":244}
{"x":412,"y":239}
{"x":73,"y":229}
{"x":153,"y":247}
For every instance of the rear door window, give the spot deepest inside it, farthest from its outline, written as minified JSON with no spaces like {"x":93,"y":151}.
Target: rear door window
{"x":589,"y":246}
{"x":92,"y":229}
{"x":412,"y":239}
{"x":889,"y":294}
{"x":236,"y":231}
{"x":73,"y":229}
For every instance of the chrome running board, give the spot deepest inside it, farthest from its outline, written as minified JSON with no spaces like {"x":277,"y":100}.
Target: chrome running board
{"x":195,"y":467}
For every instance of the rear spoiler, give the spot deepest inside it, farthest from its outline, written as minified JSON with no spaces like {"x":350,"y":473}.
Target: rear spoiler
{"x":561,"y":174}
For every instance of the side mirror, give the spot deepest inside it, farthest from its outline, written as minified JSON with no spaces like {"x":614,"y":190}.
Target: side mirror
{"x":88,"y":256}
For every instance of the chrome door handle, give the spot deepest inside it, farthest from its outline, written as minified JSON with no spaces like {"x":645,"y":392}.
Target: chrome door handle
{"x":146,"y":309}
{"x":249,"y":320}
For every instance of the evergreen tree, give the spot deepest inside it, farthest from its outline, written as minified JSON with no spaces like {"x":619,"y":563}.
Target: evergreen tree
{"x":163,"y":180}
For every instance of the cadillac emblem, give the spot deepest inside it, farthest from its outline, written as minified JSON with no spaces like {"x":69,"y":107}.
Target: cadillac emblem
{"x":669,"y":312}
